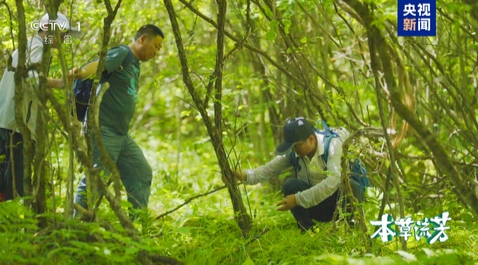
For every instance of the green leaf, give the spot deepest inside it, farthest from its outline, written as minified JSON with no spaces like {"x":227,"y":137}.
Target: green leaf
{"x":183,"y":230}
{"x":273,"y":24}
{"x":287,"y":23}
{"x":248,"y":262}
{"x":271,"y":34}
{"x":130,"y":251}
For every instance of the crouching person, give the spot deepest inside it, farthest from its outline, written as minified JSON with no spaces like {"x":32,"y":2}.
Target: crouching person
{"x":314,"y":192}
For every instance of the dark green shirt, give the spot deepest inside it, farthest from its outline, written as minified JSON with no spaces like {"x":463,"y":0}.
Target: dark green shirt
{"x":119,"y":102}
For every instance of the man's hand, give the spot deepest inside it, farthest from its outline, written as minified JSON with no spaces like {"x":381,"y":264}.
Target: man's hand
{"x":241,"y":176}
{"x":287,"y":203}
{"x":75,"y":73}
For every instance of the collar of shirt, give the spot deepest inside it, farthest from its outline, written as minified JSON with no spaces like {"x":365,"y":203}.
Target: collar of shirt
{"x":316,"y":165}
{"x":319,"y":151}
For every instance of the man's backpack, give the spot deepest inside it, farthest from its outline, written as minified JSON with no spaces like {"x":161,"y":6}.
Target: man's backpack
{"x":82,"y":92}
{"x":82,"y":87}
{"x":358,"y":170}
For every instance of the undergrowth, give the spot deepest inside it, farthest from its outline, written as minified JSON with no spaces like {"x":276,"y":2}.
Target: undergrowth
{"x":214,"y":238}
{"x":204,"y":231}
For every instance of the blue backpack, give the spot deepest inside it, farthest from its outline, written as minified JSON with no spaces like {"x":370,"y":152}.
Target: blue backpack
{"x":82,"y":92}
{"x":358,"y":170}
{"x":82,"y":87}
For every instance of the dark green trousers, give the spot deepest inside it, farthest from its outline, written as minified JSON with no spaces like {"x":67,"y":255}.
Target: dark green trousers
{"x":135,"y":171}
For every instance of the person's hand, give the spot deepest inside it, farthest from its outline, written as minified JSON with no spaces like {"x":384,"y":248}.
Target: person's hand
{"x":74,"y":73}
{"x":241,"y":176}
{"x":287,"y":203}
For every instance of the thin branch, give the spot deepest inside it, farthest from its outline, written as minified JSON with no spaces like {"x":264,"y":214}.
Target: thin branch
{"x":241,"y":216}
{"x":188,"y":201}
{"x":218,"y":71}
{"x":230,"y":36}
{"x":257,"y":237}
{"x":11,"y":23}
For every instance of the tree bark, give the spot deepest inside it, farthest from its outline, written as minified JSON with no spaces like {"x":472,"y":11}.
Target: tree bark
{"x":214,"y":130}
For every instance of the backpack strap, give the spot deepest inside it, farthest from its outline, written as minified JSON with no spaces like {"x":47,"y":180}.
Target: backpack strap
{"x":324,"y":125}
{"x":328,"y":135}
{"x":294,"y":160}
{"x":129,"y":57}
{"x":325,"y":155}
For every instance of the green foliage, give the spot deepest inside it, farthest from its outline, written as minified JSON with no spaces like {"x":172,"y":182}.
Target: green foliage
{"x":326,"y":51}
{"x":215,"y":239}
{"x":204,"y":232}
{"x":271,"y":34}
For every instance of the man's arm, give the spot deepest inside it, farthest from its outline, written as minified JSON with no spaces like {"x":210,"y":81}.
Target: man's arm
{"x":85,"y":72}
{"x":273,"y":168}
{"x":55,"y":83}
{"x":114,"y":59}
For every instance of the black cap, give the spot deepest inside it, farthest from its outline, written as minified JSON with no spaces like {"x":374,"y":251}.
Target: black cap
{"x":295,"y":130}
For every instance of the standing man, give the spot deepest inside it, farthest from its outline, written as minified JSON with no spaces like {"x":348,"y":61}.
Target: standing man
{"x":314,"y":192}
{"x":11,"y":141}
{"x":122,"y":64}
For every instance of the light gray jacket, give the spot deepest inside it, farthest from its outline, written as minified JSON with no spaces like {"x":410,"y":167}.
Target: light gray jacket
{"x":323,"y":183}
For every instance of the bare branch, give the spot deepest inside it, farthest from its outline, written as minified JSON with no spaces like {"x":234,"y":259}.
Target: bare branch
{"x":188,"y":201}
{"x":262,"y":53}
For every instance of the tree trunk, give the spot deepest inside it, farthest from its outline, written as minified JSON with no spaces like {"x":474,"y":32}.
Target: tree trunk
{"x":214,"y":130}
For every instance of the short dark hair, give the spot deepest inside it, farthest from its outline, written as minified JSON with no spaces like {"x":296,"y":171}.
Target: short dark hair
{"x":149,"y":30}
